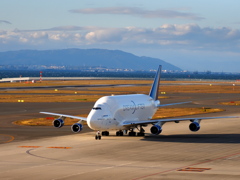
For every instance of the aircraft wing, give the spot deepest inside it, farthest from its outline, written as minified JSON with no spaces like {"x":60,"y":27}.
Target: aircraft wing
{"x":155,"y":121}
{"x":64,"y":115}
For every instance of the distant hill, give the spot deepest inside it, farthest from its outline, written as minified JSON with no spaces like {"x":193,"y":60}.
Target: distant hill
{"x":83,"y":57}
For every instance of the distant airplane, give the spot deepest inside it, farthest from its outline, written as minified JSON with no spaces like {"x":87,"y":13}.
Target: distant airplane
{"x":125,"y":113}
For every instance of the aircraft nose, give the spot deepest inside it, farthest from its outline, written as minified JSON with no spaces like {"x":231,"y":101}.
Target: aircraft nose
{"x":92,"y":122}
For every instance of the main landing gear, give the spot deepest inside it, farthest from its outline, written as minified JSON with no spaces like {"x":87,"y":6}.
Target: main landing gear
{"x":105,"y":133}
{"x":132,"y":133}
{"x":119,"y":133}
{"x":140,"y":133}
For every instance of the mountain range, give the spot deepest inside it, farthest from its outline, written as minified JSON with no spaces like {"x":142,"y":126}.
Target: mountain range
{"x":83,"y":57}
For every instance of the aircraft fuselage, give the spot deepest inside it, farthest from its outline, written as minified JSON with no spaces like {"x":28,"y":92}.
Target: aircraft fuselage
{"x":109,"y":112}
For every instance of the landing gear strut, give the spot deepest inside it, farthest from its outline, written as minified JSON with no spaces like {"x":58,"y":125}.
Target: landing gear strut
{"x":141,"y":133}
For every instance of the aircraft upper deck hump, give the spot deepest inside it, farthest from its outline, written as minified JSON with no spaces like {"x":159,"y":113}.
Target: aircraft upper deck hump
{"x":155,"y":86}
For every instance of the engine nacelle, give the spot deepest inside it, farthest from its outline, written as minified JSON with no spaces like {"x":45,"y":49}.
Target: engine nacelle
{"x":58,"y":123}
{"x":156,"y":129}
{"x":194,"y":126}
{"x":77,"y":127}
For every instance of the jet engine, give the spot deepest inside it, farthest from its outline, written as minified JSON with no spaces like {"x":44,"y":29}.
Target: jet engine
{"x":77,"y":127}
{"x":58,"y":123}
{"x":194,"y":126}
{"x":156,"y":129}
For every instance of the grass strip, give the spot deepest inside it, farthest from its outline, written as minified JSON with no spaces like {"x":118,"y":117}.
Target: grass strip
{"x":231,"y":103}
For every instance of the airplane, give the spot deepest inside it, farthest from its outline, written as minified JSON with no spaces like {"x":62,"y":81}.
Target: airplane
{"x":125,"y":113}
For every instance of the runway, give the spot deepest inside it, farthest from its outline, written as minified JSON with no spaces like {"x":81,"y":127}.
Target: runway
{"x":48,"y":153}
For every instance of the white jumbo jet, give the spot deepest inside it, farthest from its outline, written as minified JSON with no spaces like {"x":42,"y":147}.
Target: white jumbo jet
{"x":126,"y":113}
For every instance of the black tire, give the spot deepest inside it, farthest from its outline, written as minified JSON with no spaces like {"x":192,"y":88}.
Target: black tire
{"x":96,"y":137}
{"x":132,"y":133}
{"x":99,"y":137}
{"x":140,"y":134}
{"x":105,"y":133}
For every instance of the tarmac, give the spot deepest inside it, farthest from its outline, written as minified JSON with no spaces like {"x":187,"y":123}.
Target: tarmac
{"x":30,"y":152}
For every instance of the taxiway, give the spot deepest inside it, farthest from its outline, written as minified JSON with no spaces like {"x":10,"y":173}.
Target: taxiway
{"x":48,"y":153}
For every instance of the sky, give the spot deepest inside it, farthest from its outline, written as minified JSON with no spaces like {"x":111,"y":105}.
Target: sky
{"x":193,"y":35}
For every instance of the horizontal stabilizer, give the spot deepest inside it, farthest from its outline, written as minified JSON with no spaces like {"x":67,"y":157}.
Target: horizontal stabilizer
{"x":161,"y":105}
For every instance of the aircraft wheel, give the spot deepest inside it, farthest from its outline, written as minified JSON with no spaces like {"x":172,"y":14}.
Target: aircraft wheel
{"x":99,"y":137}
{"x":140,"y":134}
{"x":96,"y":137}
{"x":105,"y":133}
{"x":118,"y":133}
{"x":132,"y":133}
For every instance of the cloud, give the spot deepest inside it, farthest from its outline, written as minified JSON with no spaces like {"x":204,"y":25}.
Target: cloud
{"x":5,"y":22}
{"x":134,"y":11}
{"x":59,"y":28}
{"x":186,"y":45}
{"x":167,"y":36}
{"x":105,"y":35}
{"x":67,"y":28}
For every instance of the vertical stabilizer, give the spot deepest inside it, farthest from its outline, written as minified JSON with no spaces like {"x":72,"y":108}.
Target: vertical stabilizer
{"x":155,"y":86}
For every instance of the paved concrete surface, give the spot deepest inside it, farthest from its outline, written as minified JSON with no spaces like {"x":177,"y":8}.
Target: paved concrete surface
{"x":48,"y":153}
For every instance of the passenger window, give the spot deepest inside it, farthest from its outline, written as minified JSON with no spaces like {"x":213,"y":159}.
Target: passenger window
{"x":97,"y":108}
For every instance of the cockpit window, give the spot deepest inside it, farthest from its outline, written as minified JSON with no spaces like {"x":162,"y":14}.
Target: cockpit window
{"x":97,"y":108}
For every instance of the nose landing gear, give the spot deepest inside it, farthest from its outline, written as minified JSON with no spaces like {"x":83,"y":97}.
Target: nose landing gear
{"x":98,"y":135}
